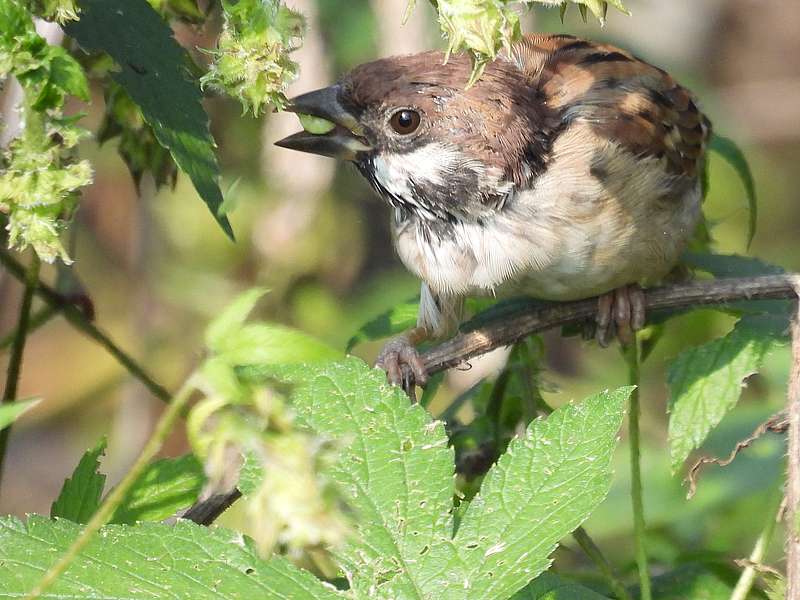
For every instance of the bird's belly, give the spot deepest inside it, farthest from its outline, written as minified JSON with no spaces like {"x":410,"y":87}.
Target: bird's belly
{"x":556,"y":252}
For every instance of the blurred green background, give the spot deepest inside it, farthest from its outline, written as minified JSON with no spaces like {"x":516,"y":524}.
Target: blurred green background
{"x":158,"y":267}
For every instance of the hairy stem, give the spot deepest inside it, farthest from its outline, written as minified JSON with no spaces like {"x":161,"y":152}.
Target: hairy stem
{"x":115,"y":497}
{"x":81,"y":322}
{"x":18,"y":348}
{"x":748,"y":576}
{"x":632,"y":358}
{"x":793,"y":474}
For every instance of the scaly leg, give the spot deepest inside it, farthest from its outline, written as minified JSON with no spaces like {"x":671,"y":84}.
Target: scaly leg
{"x":401,"y":361}
{"x":621,"y":311}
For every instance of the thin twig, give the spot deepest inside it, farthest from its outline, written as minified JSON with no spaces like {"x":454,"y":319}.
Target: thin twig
{"x":18,"y":348}
{"x":80,"y":321}
{"x":513,"y":326}
{"x":753,"y":566}
{"x":115,"y":497}
{"x":793,"y":475}
{"x":591,"y":549}
{"x":777,"y":423}
{"x":637,"y":503}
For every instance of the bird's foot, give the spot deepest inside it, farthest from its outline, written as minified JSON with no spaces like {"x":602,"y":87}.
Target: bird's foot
{"x":620,"y":311}
{"x":403,"y":364}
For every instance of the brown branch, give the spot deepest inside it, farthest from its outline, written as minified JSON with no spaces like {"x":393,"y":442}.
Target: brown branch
{"x":777,"y":423}
{"x":793,"y":475}
{"x":514,"y":326}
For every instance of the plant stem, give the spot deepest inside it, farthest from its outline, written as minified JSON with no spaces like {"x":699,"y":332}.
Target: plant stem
{"x":18,"y":348}
{"x":632,"y":358}
{"x":36,"y":320}
{"x":595,"y":554}
{"x":748,"y":576}
{"x":115,"y":497}
{"x":80,"y":321}
{"x":793,"y":467}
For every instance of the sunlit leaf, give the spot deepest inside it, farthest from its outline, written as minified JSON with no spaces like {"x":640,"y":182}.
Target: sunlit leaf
{"x":705,"y":382}
{"x":184,"y":561}
{"x":396,"y":320}
{"x":165,"y":487}
{"x":12,"y":411}
{"x":80,"y":495}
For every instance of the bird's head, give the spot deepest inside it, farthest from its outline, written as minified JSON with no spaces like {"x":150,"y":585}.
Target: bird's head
{"x":429,"y":146}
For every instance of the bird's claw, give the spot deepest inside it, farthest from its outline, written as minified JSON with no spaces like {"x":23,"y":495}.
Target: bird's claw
{"x":403,"y":364}
{"x":621,"y":311}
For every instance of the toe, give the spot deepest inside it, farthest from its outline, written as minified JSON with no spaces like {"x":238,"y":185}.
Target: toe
{"x":603,"y":318}
{"x":636,"y":295}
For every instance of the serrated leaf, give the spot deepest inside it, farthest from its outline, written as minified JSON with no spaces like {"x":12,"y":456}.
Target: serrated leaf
{"x":549,"y":586}
{"x":184,"y":561}
{"x":544,"y":486}
{"x":80,"y":495}
{"x":730,"y":151}
{"x":14,"y":410}
{"x":155,"y":77}
{"x":705,"y":382}
{"x":396,"y":472}
{"x":396,"y":320}
{"x":165,"y":487}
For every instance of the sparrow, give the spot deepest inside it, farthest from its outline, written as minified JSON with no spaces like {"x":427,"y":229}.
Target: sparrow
{"x":571,"y":169}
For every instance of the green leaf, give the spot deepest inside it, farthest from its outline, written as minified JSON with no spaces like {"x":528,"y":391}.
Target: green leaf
{"x":165,"y":487}
{"x":395,"y":320}
{"x":154,"y":75}
{"x":67,"y":74}
{"x":12,"y":411}
{"x":733,"y":155}
{"x":231,"y":319}
{"x":549,"y":586}
{"x":730,"y":265}
{"x":705,"y":382}
{"x":544,"y":486}
{"x":80,"y":494}
{"x":237,"y":343}
{"x":184,"y":561}
{"x":395,"y":472}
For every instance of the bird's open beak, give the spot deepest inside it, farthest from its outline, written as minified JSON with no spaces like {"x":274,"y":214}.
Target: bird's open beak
{"x":344,"y":141}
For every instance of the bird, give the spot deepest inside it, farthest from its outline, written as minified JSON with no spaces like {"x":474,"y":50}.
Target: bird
{"x":571,"y":169}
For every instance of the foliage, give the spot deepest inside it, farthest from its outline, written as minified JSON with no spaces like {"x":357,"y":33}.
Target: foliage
{"x":251,"y":61}
{"x":80,"y":494}
{"x":340,"y":474}
{"x":154,"y":76}
{"x":705,"y":382}
{"x":41,"y":176}
{"x":11,"y":412}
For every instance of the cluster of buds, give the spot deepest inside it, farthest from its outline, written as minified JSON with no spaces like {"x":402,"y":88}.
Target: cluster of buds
{"x":485,"y":27}
{"x":40,"y":174}
{"x":252,"y":60}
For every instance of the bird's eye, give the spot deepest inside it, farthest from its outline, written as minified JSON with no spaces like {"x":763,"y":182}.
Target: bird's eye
{"x":405,"y":121}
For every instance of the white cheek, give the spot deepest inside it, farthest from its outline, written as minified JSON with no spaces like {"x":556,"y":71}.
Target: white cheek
{"x":429,"y":164}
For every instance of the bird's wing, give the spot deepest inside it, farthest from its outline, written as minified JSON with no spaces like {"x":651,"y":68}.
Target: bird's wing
{"x":622,"y":97}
